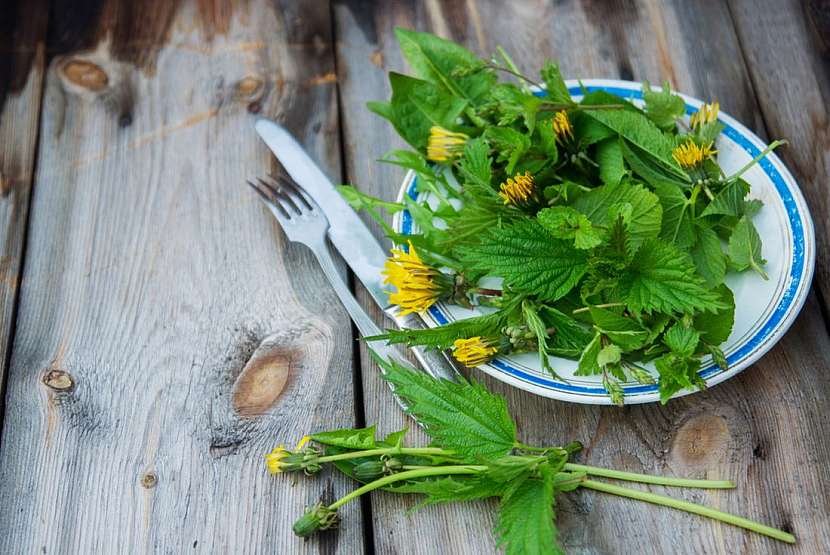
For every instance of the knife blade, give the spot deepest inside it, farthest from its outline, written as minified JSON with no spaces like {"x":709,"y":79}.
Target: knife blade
{"x":349,"y":235}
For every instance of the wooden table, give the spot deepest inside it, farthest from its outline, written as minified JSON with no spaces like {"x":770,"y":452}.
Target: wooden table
{"x":159,"y":334}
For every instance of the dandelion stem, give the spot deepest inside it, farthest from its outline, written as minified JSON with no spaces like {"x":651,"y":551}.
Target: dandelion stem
{"x":649,"y":479}
{"x":743,"y":170}
{"x":425,"y":451}
{"x":606,"y":305}
{"x":407,"y":475}
{"x":702,"y":510}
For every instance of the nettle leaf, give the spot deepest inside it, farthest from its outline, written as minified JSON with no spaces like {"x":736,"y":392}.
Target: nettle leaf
{"x":434,"y":59}
{"x":677,"y":373}
{"x":569,"y":337}
{"x":418,"y":105}
{"x":745,"y":248}
{"x":358,"y":438}
{"x":625,"y":332}
{"x":588,"y":364}
{"x":476,"y":168}
{"x":526,"y":514}
{"x":555,"y":88}
{"x":610,"y":354}
{"x":662,"y":278}
{"x":513,"y":103}
{"x":510,"y":145}
{"x":462,"y":417}
{"x":708,"y":256}
{"x":564,"y":222}
{"x":646,"y":215}
{"x":715,"y":327}
{"x":677,"y":225}
{"x":681,"y":340}
{"x":640,"y":131}
{"x":529,"y":259}
{"x":449,"y":489}
{"x":663,"y":107}
{"x":649,"y":168}
{"x":728,"y":202}
{"x":611,"y":162}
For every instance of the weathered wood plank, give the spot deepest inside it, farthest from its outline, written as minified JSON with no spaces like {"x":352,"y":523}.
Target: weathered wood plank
{"x":762,"y":428}
{"x":787,"y":45}
{"x":167,"y":334}
{"x":22,"y":57}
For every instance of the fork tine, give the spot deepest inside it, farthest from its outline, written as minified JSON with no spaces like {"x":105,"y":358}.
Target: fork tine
{"x":290,"y":186}
{"x":270,"y":197}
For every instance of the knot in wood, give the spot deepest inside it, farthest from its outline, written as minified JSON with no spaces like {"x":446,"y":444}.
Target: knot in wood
{"x":86,"y":74}
{"x":58,"y":380}
{"x":701,"y":440}
{"x":250,"y":87}
{"x":149,"y":480}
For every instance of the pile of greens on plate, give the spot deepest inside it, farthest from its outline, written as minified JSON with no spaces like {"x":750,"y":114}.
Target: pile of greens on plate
{"x":609,"y":227}
{"x":474,"y":454}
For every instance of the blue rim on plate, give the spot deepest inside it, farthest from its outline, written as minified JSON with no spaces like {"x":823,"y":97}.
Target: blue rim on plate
{"x":778,"y":321}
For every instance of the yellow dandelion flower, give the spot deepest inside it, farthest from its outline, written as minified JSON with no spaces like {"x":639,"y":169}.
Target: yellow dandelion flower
{"x":562,"y":126}
{"x":689,"y":154}
{"x":706,"y":114}
{"x":473,"y":351}
{"x":302,"y":442}
{"x":273,"y":460}
{"x":444,"y":144}
{"x":517,"y":189}
{"x":418,"y":285}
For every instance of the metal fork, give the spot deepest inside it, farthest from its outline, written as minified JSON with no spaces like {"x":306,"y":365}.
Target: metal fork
{"x":304,"y":222}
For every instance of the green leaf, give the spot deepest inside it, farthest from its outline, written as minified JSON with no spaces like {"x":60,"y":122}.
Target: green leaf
{"x":569,"y":337}
{"x":588,"y":131}
{"x":513,"y":103}
{"x":663,"y":108}
{"x":555,"y":87}
{"x":476,"y":167}
{"x":529,"y":259}
{"x":510,"y":145}
{"x":357,"y":439}
{"x":588,"y":364}
{"x":434,"y":59}
{"x":394,"y":439}
{"x":623,"y":331}
{"x":610,"y":160}
{"x":650,"y":168}
{"x":646,"y":212}
{"x":610,"y":354}
{"x":564,"y":222}
{"x":676,"y":373}
{"x":442,"y":337}
{"x":681,"y":340}
{"x":745,"y":248}
{"x":728,"y":202}
{"x":717,"y":356}
{"x":677,"y":226}
{"x":640,"y":131}
{"x":450,"y":489}
{"x":715,"y":327}
{"x":708,"y":257}
{"x":662,"y":278}
{"x":418,"y":105}
{"x":525,"y":525}
{"x":462,"y":417}
{"x":361,"y":201}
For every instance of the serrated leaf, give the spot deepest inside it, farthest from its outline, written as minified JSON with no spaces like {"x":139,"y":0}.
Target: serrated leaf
{"x":728,"y":202}
{"x":676,"y":373}
{"x":623,"y":331}
{"x":649,"y":168}
{"x":555,"y":88}
{"x":662,"y":278}
{"x":463,"y":417}
{"x":682,"y":340}
{"x":715,"y":327}
{"x":394,"y":439}
{"x":745,"y":248}
{"x":418,"y":105}
{"x":663,"y":107}
{"x":525,"y":525}
{"x":708,"y":256}
{"x":450,"y":489}
{"x":588,"y":365}
{"x":717,"y":357}
{"x":529,"y":259}
{"x":677,"y":225}
{"x":588,"y":131}
{"x":357,"y":438}
{"x":510,"y":145}
{"x":610,"y":354}
{"x":434,"y":59}
{"x":564,"y":222}
{"x":646,"y":213}
{"x":610,"y":160}
{"x":569,"y":338}
{"x":442,"y":337}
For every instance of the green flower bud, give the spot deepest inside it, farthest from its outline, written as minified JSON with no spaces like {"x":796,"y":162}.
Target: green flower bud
{"x":317,"y":517}
{"x":369,"y":471}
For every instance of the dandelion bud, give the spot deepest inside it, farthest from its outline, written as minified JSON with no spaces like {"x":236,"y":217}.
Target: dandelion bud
{"x":317,"y":517}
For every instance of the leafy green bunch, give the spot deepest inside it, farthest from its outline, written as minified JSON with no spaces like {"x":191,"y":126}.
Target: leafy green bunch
{"x":474,"y":454}
{"x":608,"y":228}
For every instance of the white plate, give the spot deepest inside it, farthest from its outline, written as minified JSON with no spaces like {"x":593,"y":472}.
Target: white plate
{"x":765,"y":309}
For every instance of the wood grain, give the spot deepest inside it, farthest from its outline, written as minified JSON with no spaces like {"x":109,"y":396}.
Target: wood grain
{"x":22,"y":64}
{"x":135,"y":418}
{"x":763,"y":428}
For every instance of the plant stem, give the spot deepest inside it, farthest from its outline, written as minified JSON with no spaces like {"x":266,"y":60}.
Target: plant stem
{"x":690,"y":508}
{"x":606,"y":305}
{"x":552,"y":106}
{"x":489,"y":292}
{"x":385,"y":451}
{"x":770,"y":148}
{"x":408,"y":475}
{"x":648,"y":479}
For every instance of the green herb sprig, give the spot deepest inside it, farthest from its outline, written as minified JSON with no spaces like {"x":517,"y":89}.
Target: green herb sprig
{"x":609,"y":227}
{"x":474,"y":454}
